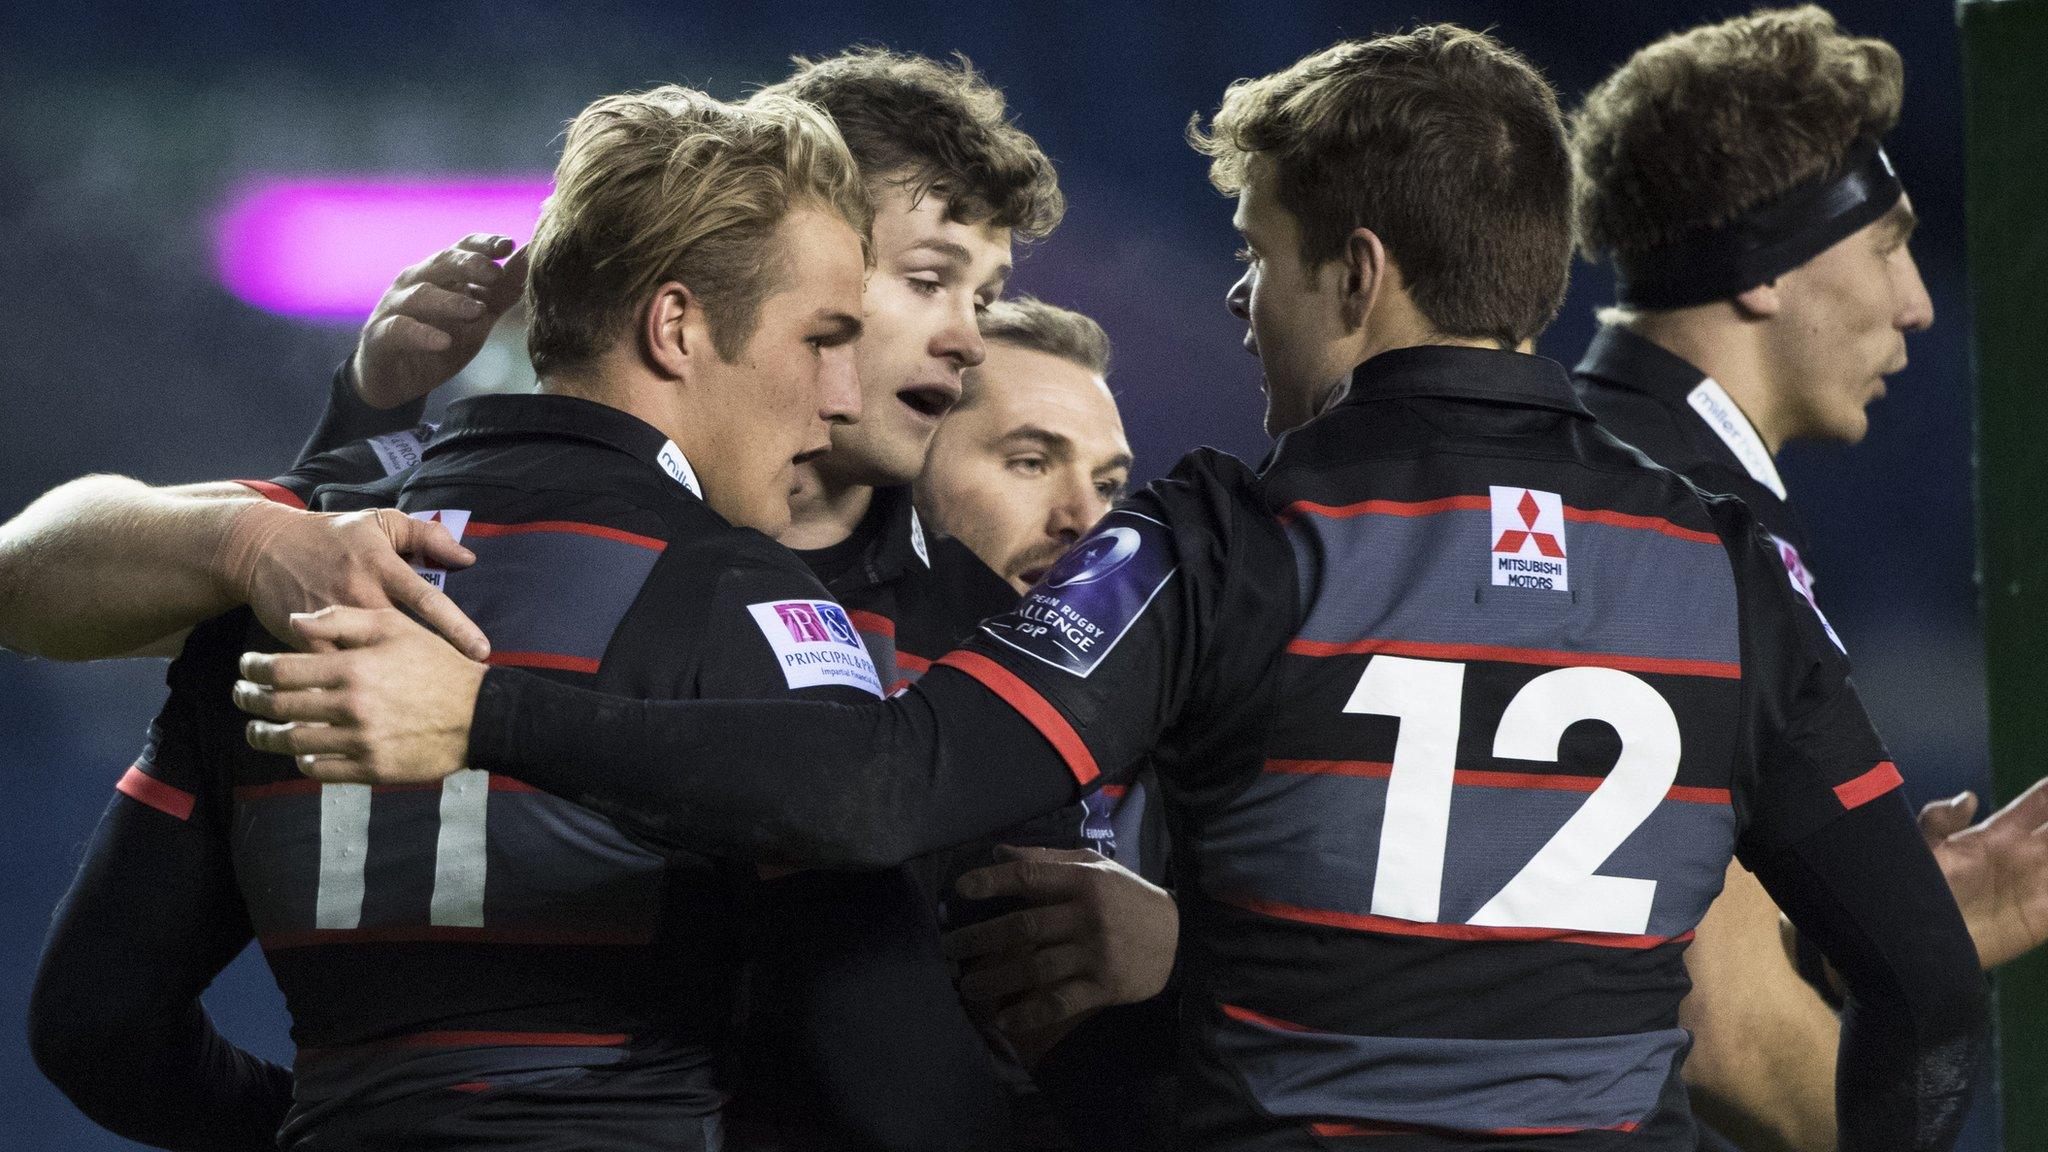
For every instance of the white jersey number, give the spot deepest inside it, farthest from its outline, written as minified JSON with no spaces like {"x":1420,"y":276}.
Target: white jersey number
{"x":1558,"y":887}
{"x":459,"y":854}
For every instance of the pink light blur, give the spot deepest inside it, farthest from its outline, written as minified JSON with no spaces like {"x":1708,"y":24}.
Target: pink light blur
{"x":327,"y":248}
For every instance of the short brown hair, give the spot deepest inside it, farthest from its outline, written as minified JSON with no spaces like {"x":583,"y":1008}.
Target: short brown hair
{"x":1444,"y":142}
{"x":1028,"y":322}
{"x":934,"y":128}
{"x":670,"y":184}
{"x":1708,"y":123}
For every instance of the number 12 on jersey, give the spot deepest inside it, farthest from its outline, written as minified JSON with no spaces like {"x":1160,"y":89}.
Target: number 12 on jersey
{"x":1558,"y":887}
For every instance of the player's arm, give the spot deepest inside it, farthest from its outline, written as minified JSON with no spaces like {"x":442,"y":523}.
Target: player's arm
{"x":115,"y":1021}
{"x":1762,"y":1066}
{"x":1828,"y":833}
{"x":106,"y":566}
{"x":426,"y":328}
{"x":1915,"y":1024}
{"x":993,"y":734}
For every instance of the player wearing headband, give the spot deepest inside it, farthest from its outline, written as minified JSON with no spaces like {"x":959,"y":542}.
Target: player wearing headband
{"x":1733,"y":175}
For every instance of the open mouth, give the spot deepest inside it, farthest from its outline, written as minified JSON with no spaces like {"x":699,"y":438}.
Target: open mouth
{"x":809,"y":455}
{"x":1034,"y":575}
{"x":930,"y":400}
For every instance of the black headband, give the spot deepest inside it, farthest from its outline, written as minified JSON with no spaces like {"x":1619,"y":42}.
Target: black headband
{"x":1708,"y":264}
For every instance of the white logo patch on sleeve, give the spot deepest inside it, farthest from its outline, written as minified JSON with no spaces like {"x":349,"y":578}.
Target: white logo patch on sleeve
{"x":815,"y":643}
{"x":1528,"y":540}
{"x":455,"y":520}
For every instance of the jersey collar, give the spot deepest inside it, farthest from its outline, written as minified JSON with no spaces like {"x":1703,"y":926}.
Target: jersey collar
{"x":1627,"y":360}
{"x":571,"y":417}
{"x":888,"y":544}
{"x":1465,"y":374}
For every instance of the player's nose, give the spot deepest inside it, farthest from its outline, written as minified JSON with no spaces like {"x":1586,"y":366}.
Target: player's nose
{"x":839,"y":387}
{"x":1239,"y":298}
{"x":1915,"y":307}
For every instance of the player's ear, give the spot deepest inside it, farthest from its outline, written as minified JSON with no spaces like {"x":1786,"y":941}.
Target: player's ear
{"x":1761,"y":302}
{"x":674,"y":329}
{"x":1364,"y":266}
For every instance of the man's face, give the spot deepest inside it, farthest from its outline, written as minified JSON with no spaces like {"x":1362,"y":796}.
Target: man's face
{"x":774,"y":406}
{"x":931,"y":277}
{"x":1028,"y":467}
{"x":1295,"y":314}
{"x":1842,"y":328}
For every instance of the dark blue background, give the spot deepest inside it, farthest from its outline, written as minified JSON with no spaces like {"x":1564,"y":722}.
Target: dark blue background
{"x":119,"y":352}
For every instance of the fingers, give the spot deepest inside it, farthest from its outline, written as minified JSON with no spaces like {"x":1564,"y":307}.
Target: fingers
{"x":344,"y":627}
{"x":304,"y":739}
{"x":488,"y":244}
{"x":311,"y":704}
{"x":2029,"y":809}
{"x":1033,"y":878}
{"x":335,"y":769}
{"x":1053,"y":855}
{"x":505,"y":292}
{"x":1050,"y":1006}
{"x":1018,"y":932}
{"x":1941,"y":819}
{"x":292,"y":671}
{"x":1045,"y":968}
{"x":438,"y":307}
{"x":407,"y":589}
{"x":424,"y":540}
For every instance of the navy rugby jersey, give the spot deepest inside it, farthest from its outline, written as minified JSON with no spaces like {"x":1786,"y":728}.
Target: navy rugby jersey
{"x":455,"y":957}
{"x":1683,"y":419}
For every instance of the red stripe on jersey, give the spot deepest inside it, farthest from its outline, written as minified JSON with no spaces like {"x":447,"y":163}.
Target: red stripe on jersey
{"x":1389,"y":507}
{"x":1646,"y":523}
{"x":573,"y":527}
{"x":1689,"y":795}
{"x":1115,"y":791}
{"x":1485,"y":503}
{"x":449,"y":934}
{"x":872,"y":622}
{"x":910,"y":663}
{"x":1374,"y":769}
{"x":1326,"y":1128}
{"x":277,"y":493}
{"x":1869,"y":786}
{"x":1371,"y":769}
{"x":141,"y":786}
{"x":1033,"y":707}
{"x":561,"y":662}
{"x":1544,"y":656}
{"x":471,"y":1086}
{"x":1390,"y":926}
{"x":304,"y":787}
{"x":1251,"y":1017}
{"x":475,"y":1040}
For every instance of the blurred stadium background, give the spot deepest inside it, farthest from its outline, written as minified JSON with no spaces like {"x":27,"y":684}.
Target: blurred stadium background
{"x":172,"y":298}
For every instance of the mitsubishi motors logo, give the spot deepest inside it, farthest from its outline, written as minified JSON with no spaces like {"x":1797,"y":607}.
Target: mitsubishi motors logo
{"x":1528,"y":539}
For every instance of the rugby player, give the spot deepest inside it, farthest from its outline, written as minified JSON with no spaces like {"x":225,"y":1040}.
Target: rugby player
{"x":695,"y":295}
{"x":1732,"y":175}
{"x":1031,"y":457}
{"x":1392,"y":923}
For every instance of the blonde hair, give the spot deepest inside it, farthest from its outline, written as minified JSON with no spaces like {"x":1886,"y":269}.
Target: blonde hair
{"x":671,"y":184}
{"x":1713,"y":121}
{"x":1444,"y":142}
